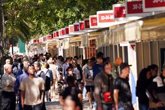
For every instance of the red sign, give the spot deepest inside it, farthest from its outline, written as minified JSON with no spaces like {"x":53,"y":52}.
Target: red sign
{"x":66,"y":30}
{"x":86,"y":22}
{"x":57,"y":33}
{"x":105,"y":17}
{"x":93,"y":21}
{"x":36,"y":41}
{"x":82,"y":27}
{"x":134,"y":7}
{"x":76,"y":27}
{"x":54,"y":34}
{"x":119,"y":11}
{"x":63,"y":31}
{"x":49,"y":37}
{"x":154,"y":5}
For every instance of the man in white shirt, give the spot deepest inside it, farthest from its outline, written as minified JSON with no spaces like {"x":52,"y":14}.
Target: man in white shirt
{"x":54,"y":68}
{"x":32,"y":91}
{"x":8,"y":95}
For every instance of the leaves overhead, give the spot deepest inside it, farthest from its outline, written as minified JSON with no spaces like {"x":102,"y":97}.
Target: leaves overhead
{"x":28,"y":19}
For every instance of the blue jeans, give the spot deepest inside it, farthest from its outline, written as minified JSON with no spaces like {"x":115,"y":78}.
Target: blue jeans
{"x":143,"y":106}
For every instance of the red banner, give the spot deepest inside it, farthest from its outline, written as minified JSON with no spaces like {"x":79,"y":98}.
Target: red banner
{"x":105,"y":17}
{"x":154,"y":5}
{"x":57,"y":33}
{"x":66,"y":30}
{"x":49,"y":37}
{"x":119,"y":11}
{"x":134,"y":7}
{"x":54,"y":34}
{"x":86,"y":23}
{"x":63,"y":31}
{"x":36,"y":41}
{"x":76,"y":27}
{"x":82,"y":27}
{"x":93,"y":21}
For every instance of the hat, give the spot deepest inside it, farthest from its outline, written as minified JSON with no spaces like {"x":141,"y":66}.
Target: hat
{"x":124,"y":65}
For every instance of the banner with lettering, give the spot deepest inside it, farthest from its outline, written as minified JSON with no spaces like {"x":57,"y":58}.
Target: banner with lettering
{"x":105,"y":18}
{"x":153,"y":5}
{"x":134,"y":7}
{"x":119,"y":11}
{"x":93,"y":21}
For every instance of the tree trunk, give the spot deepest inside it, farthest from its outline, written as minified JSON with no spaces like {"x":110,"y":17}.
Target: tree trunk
{"x":1,"y":24}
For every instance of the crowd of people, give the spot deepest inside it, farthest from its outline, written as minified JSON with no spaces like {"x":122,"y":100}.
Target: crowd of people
{"x":29,"y":82}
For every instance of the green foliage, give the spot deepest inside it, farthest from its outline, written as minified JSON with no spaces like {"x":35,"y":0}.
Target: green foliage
{"x":28,"y":19}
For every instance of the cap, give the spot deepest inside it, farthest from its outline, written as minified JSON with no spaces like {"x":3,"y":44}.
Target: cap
{"x":124,"y":65}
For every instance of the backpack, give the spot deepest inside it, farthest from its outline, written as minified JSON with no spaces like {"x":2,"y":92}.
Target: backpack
{"x":47,"y":81}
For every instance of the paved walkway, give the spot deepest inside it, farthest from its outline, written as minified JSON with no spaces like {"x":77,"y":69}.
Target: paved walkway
{"x":52,"y":105}
{"x":56,"y":106}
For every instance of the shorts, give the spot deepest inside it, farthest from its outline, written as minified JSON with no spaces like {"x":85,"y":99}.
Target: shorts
{"x":90,"y":88}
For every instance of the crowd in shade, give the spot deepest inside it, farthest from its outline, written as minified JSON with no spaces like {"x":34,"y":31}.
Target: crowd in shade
{"x":30,"y":82}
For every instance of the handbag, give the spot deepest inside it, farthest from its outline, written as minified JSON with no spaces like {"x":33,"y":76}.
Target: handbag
{"x":107,"y":97}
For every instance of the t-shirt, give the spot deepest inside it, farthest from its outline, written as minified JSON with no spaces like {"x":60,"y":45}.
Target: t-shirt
{"x":32,"y":89}
{"x":124,"y":90}
{"x":54,"y":70}
{"x":97,"y":68}
{"x":64,"y":68}
{"x":88,"y":73}
{"x":8,"y":81}
{"x":77,"y":73}
{"x":41,"y":74}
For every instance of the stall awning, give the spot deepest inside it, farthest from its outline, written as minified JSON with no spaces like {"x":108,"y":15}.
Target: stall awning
{"x":153,"y":28}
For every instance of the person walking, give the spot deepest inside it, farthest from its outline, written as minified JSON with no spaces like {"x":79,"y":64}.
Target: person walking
{"x":98,"y":67}
{"x":22,"y":74}
{"x":66,"y":65}
{"x":32,"y":91}
{"x":144,"y":80}
{"x":39,"y":72}
{"x":8,"y":94}
{"x":7,"y":61}
{"x":89,"y":81}
{"x":54,"y":68}
{"x":103,"y":92}
{"x":48,"y":81}
{"x":70,"y":89}
{"x":122,"y":92}
{"x":42,"y":74}
{"x":157,"y":91}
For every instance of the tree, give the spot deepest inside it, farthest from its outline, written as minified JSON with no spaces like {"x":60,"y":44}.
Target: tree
{"x":26,"y":19}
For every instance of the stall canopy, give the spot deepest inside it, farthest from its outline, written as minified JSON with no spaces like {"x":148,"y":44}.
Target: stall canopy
{"x":153,"y":27}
